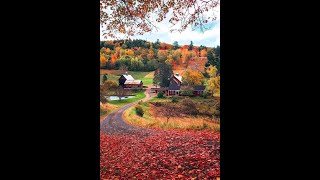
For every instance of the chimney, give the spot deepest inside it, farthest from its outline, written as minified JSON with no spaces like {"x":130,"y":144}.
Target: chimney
{"x":127,"y":73}
{"x":177,"y":74}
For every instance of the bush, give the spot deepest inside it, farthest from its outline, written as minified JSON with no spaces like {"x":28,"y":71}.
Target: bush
{"x":139,"y":110}
{"x":174,"y":99}
{"x":160,"y":94}
{"x":187,"y":93}
{"x":205,"y":95}
{"x":189,"y":107}
{"x":140,"y":102}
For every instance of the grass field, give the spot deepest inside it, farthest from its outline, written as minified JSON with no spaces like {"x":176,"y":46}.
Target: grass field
{"x":146,"y":77}
{"x":150,"y":121}
{"x":139,"y":95}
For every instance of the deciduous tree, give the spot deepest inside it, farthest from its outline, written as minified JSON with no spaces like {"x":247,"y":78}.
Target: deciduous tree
{"x":192,"y":78}
{"x":134,"y":17}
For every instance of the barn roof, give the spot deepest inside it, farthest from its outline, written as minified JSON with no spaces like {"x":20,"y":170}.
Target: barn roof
{"x":173,"y":86}
{"x":128,"y":77}
{"x":179,"y":77}
{"x":199,"y":88}
{"x":132,"y":82}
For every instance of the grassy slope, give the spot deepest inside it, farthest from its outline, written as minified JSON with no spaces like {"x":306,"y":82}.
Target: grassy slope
{"x":148,"y":120}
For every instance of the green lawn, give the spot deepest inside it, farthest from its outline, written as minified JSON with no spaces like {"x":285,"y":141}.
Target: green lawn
{"x":139,"y":95}
{"x":156,"y":99}
{"x":147,"y":81}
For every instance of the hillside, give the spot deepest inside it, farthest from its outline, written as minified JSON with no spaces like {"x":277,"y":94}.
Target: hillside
{"x":141,"y":55}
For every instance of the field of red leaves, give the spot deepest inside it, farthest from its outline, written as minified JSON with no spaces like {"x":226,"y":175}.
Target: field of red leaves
{"x":160,"y":155}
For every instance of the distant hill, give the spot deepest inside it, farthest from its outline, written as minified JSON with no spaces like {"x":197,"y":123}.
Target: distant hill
{"x":141,"y":55}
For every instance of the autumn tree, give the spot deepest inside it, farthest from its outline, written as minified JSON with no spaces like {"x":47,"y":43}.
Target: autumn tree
{"x":150,"y":55}
{"x":169,"y":110}
{"x":170,"y":61}
{"x":121,"y":92}
{"x":176,"y":55}
{"x":203,"y":53}
{"x":130,"y":52}
{"x":214,"y":81}
{"x":193,"y":78}
{"x":162,"y":55}
{"x":134,"y":17}
{"x":113,"y":59}
{"x":103,"y":60}
{"x":118,"y":50}
{"x":107,"y":50}
{"x":106,"y":89}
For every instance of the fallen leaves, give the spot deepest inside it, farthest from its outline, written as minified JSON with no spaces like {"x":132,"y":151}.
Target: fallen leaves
{"x":161,"y":155}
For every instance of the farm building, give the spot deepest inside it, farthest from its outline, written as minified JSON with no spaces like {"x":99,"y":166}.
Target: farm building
{"x":175,"y":87}
{"x":198,"y":90}
{"x":128,"y":82}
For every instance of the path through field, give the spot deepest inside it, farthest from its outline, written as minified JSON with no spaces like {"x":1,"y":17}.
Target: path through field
{"x":129,"y":152}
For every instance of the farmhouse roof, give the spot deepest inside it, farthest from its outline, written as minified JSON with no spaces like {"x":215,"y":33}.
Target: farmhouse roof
{"x":173,"y":86}
{"x":199,"y":88}
{"x":128,"y":77}
{"x":132,"y":82}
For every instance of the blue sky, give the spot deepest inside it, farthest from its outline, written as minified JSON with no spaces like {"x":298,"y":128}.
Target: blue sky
{"x":209,"y":38}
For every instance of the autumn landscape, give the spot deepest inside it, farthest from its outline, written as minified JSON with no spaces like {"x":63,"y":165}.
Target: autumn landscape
{"x":159,"y":101}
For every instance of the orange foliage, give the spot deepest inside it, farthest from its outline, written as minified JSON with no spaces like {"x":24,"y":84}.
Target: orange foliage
{"x":113,"y":59}
{"x":118,"y":52}
{"x":203,"y":53}
{"x":107,"y":50}
{"x":130,"y":52}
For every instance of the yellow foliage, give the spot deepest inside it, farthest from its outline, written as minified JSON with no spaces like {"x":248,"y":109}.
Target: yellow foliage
{"x":193,"y":78}
{"x":130,"y":52}
{"x":212,"y":71}
{"x":214,"y":81}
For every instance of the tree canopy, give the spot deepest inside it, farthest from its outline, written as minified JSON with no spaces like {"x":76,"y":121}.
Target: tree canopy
{"x":136,"y":17}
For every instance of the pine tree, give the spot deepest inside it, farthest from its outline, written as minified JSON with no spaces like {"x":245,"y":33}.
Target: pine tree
{"x":191,"y":46}
{"x":104,"y":78}
{"x":175,"y":45}
{"x":163,"y":74}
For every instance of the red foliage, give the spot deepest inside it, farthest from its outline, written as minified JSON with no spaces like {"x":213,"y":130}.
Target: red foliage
{"x":160,"y":155}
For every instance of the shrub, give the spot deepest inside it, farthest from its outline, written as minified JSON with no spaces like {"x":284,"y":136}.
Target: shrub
{"x":160,"y":94}
{"x":189,"y":107}
{"x":139,"y":110}
{"x":174,"y":99}
{"x":140,"y":102}
{"x":205,"y":95}
{"x":187,"y":93}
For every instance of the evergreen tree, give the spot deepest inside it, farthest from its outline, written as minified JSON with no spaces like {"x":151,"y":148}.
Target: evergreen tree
{"x":156,"y":45}
{"x":104,"y":78}
{"x":191,"y":46}
{"x":175,"y":45}
{"x":216,"y":61}
{"x":210,"y":57}
{"x":163,"y":74}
